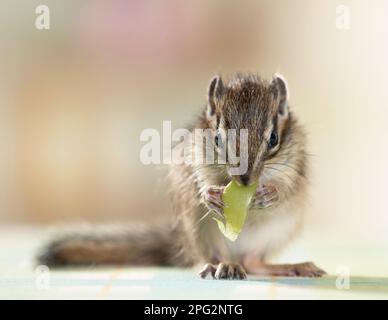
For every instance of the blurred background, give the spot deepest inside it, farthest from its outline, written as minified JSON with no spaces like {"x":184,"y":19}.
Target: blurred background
{"x":74,"y":99}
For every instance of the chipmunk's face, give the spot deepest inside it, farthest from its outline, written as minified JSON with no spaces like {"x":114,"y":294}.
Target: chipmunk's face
{"x":258,"y":112}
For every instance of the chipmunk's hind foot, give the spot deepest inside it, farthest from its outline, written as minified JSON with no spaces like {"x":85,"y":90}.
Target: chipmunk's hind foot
{"x":224,"y":271}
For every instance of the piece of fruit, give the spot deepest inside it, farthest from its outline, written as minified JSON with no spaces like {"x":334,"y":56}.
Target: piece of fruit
{"x":236,"y":199}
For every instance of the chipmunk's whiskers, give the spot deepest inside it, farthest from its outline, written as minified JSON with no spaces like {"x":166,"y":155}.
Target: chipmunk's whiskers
{"x":281,"y":171}
{"x":285,"y":165}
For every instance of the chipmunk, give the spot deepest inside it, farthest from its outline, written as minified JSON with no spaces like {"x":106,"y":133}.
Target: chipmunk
{"x":277,"y":159}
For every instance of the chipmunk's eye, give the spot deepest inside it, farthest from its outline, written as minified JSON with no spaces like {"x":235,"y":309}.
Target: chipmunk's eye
{"x":273,"y":139}
{"x":218,"y":139}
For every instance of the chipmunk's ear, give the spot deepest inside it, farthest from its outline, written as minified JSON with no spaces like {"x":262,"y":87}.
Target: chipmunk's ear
{"x":280,"y":89}
{"x":214,"y":93}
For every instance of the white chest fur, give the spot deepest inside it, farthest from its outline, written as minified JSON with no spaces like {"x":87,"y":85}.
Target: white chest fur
{"x":265,"y":232}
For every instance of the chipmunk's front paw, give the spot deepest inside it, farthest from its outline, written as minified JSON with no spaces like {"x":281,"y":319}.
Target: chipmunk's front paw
{"x":212,"y":198}
{"x":224,"y":271}
{"x":266,"y":196}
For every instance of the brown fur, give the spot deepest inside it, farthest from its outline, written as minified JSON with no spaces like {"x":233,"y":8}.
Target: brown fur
{"x":111,"y":245}
{"x":246,"y":102}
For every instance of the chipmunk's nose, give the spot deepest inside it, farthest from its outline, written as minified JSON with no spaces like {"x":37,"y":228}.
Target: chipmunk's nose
{"x":245,"y":179}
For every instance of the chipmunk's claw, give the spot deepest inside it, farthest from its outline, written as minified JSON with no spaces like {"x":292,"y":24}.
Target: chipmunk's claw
{"x":213,"y":200}
{"x":224,"y":271}
{"x":265,"y":197}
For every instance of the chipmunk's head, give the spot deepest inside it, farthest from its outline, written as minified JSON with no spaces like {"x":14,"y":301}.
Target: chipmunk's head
{"x":260,"y":107}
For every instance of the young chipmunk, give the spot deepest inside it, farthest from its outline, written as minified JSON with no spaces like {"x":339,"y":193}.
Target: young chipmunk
{"x":276,"y":158}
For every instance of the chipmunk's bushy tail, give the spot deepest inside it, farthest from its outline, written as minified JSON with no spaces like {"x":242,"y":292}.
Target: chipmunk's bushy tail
{"x":137,"y":245}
